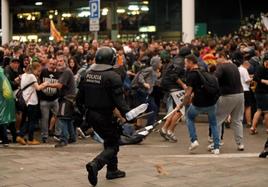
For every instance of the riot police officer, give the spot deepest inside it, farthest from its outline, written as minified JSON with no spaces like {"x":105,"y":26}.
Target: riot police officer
{"x":264,"y":153}
{"x":100,"y":93}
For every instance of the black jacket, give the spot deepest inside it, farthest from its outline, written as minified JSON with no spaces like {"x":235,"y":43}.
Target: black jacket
{"x":102,"y":90}
{"x":11,"y":75}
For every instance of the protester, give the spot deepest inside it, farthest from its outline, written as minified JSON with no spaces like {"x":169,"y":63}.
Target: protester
{"x":29,"y":80}
{"x":143,"y":84}
{"x":7,"y":107}
{"x":66,"y":85}
{"x":49,"y":99}
{"x":246,"y":80}
{"x":202,"y":102}
{"x":261,"y":93}
{"x":232,"y":96}
{"x":172,"y":81}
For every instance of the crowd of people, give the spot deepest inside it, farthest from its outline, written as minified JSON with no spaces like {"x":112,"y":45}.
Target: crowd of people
{"x":49,"y":76}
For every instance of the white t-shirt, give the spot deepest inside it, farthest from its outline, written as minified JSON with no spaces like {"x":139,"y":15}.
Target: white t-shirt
{"x":244,"y":76}
{"x":30,"y":93}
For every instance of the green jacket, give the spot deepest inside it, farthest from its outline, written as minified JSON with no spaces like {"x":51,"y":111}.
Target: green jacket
{"x":7,"y":102}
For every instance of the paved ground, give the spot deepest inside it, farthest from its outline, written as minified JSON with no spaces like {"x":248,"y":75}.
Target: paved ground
{"x":45,"y":166}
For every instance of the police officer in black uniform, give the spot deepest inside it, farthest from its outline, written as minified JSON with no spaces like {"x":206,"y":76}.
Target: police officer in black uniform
{"x":264,"y":153}
{"x":100,"y":93}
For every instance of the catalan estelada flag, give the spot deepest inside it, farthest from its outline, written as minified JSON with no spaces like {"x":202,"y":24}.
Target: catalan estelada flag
{"x":54,"y":32}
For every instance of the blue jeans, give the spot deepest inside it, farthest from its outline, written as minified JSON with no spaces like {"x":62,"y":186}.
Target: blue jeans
{"x":67,"y":130}
{"x":192,"y":112}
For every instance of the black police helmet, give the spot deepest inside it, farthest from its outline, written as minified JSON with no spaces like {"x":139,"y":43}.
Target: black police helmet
{"x":105,"y":55}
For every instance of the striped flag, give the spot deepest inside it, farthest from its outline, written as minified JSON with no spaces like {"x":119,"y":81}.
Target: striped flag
{"x":54,"y":32}
{"x":265,"y":21}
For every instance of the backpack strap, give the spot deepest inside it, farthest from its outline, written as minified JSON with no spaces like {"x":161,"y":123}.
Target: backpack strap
{"x":27,"y":86}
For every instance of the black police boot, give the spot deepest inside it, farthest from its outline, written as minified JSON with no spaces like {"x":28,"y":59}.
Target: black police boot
{"x":115,"y":174}
{"x":92,"y":173}
{"x":264,"y":153}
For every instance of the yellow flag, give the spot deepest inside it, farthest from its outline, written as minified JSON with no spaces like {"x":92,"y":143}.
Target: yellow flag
{"x":54,"y":32}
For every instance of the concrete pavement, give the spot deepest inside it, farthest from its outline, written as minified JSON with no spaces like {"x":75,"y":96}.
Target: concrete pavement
{"x":45,"y":166}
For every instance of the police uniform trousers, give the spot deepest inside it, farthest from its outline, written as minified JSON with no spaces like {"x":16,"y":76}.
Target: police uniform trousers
{"x":107,"y":128}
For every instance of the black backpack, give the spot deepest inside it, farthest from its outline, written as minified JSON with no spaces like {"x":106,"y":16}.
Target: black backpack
{"x":210,"y":84}
{"x":20,"y":102}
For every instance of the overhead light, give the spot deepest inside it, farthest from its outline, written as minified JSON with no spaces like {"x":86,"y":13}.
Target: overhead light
{"x":51,"y":38}
{"x":39,"y":3}
{"x":33,"y":18}
{"x":32,"y":37}
{"x":151,"y":28}
{"x":17,"y":38}
{"x":50,"y":16}
{"x":135,"y":13}
{"x":143,"y":35}
{"x":133,"y":7}
{"x":29,"y":17}
{"x":145,"y":8}
{"x":67,"y":15}
{"x":56,"y":13}
{"x":84,"y":14}
{"x":120,"y":11}
{"x":145,"y":2}
{"x":104,"y":11}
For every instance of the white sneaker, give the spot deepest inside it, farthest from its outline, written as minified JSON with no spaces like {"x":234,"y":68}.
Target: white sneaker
{"x":211,"y":146}
{"x":193,"y":145}
{"x":215,"y":151}
{"x":240,"y":147}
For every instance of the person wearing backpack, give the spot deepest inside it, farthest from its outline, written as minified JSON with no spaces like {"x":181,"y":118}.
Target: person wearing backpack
{"x":231,"y":101}
{"x":204,"y":87}
{"x":29,"y":80}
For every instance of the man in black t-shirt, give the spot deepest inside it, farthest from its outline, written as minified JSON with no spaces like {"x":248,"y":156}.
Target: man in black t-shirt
{"x":231,"y":101}
{"x":48,"y":98}
{"x":172,"y":81}
{"x":201,"y":103}
{"x":67,"y":93}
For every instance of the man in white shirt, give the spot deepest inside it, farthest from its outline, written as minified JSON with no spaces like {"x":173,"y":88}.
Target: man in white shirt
{"x":245,"y":80}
